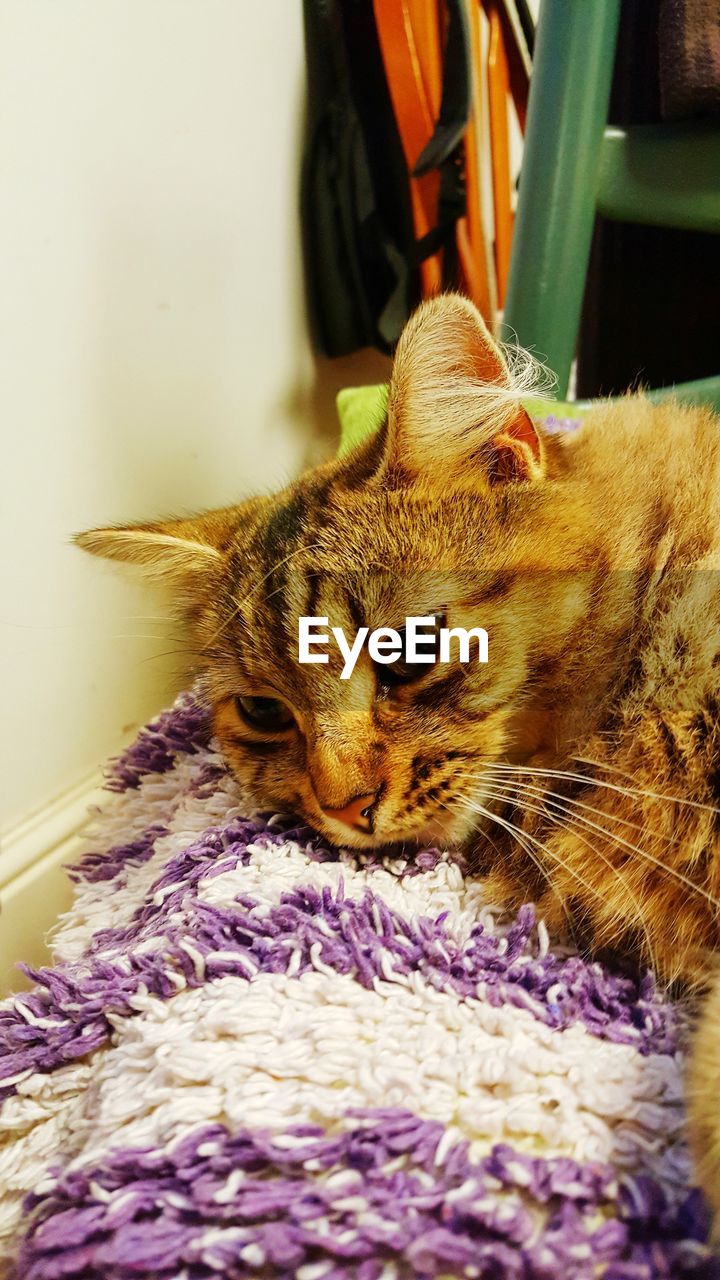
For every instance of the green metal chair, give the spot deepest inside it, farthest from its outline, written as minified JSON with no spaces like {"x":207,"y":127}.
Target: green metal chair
{"x":574,"y":165}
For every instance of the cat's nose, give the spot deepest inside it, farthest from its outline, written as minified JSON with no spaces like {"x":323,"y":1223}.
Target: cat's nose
{"x":357,"y":813}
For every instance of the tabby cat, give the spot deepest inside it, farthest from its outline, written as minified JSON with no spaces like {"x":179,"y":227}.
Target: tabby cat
{"x":581,"y":766}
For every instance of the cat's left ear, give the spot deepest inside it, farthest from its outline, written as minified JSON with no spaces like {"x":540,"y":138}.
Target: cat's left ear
{"x":182,"y":551}
{"x":454,"y":408}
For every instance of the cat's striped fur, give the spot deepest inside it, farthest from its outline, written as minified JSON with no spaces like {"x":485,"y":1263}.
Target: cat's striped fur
{"x":581,"y":766}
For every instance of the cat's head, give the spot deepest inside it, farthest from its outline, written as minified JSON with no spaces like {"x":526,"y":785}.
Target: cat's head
{"x":439,"y":514}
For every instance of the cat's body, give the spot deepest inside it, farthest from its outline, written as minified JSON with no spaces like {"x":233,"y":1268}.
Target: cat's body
{"x":581,"y":766}
{"x":633,"y":709}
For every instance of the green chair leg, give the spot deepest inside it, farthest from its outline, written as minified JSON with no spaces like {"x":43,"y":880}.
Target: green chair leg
{"x":567,"y":112}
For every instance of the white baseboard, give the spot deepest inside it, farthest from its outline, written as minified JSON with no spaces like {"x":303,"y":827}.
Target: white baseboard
{"x":34,"y":888}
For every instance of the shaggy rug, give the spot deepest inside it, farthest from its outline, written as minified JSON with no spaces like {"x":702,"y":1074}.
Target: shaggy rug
{"x":255,"y":1055}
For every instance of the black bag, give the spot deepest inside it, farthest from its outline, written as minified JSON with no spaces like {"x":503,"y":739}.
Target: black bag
{"x":356,"y":213}
{"x":362,"y":256}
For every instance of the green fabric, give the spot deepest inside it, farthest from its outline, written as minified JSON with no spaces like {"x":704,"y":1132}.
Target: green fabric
{"x":361,"y":411}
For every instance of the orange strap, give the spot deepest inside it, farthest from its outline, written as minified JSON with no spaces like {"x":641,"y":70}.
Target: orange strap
{"x":507,"y":78}
{"x":409,"y":35}
{"x":473,"y":248}
{"x":498,"y":89}
{"x":409,"y":32}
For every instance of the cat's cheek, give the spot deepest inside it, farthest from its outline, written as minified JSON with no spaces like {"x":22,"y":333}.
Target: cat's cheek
{"x":264,"y":777}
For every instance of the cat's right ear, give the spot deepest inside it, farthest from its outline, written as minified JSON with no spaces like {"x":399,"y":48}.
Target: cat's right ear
{"x":180,"y":551}
{"x":455,"y":408}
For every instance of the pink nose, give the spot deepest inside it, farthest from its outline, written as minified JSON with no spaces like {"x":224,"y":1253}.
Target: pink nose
{"x":357,"y":813}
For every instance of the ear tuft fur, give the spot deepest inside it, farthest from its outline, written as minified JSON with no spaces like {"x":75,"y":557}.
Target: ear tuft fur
{"x":456,"y":396}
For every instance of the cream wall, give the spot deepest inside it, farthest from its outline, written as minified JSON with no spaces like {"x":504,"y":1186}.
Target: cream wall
{"x":153,"y":340}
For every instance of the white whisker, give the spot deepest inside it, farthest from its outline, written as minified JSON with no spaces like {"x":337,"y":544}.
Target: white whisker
{"x":643,"y":853}
{"x":568,"y":775}
{"x":560,"y":821}
{"x":520,"y":836}
{"x":590,"y":808}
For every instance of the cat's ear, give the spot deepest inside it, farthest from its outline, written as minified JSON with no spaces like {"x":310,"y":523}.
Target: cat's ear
{"x":454,"y":406}
{"x":178,"y":550}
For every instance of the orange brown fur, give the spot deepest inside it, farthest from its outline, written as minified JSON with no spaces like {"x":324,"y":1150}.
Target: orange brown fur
{"x":581,"y":766}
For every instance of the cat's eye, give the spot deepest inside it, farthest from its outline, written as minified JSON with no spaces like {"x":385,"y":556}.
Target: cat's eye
{"x":267,"y":714}
{"x":403,"y":670}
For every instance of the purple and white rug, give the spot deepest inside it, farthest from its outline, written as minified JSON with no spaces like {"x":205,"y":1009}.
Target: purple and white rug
{"x":259,"y":1056}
